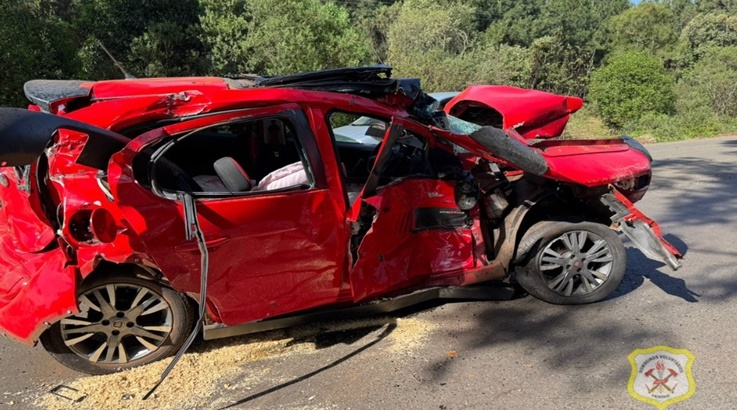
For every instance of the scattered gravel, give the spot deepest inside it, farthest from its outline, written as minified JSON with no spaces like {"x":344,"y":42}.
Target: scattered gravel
{"x":213,"y":365}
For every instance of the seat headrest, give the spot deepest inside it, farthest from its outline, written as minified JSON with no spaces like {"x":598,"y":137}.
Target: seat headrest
{"x":233,"y":176}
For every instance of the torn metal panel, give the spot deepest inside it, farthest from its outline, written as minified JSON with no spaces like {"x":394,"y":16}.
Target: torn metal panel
{"x":641,"y":230}
{"x":397,"y":252}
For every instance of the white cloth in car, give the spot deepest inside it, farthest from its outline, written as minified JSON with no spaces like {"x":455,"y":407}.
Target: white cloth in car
{"x":290,"y":175}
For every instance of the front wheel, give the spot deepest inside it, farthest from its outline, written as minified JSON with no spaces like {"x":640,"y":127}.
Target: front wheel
{"x":123,"y":322}
{"x":570,"y":263}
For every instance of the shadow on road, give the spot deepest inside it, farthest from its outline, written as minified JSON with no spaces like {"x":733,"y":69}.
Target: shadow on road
{"x":704,"y":192}
{"x":347,"y":338}
{"x":652,"y":271}
{"x":640,"y":267}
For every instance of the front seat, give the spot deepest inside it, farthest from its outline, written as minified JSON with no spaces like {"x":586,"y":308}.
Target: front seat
{"x":232,"y":174}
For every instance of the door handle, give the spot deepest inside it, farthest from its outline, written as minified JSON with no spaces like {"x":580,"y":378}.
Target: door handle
{"x":191,"y":246}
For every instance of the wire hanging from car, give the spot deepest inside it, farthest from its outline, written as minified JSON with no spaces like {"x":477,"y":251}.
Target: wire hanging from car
{"x":192,"y":230}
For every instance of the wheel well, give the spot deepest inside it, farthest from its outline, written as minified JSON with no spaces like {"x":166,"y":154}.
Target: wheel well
{"x":133,"y":270}
{"x":129,"y":269}
{"x":556,"y":207}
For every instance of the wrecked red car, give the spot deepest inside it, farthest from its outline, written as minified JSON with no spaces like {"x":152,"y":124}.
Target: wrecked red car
{"x":127,"y":205}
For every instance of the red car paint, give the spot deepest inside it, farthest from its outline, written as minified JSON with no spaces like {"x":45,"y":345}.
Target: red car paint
{"x":532,"y":113}
{"x":272,"y":253}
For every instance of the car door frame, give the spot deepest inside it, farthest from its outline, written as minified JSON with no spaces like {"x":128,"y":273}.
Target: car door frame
{"x":139,"y":200}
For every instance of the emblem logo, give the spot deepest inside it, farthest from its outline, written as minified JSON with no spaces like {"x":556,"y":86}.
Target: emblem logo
{"x":661,"y":375}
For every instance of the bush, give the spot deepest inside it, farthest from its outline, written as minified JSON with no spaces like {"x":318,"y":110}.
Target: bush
{"x":713,"y":81}
{"x":632,"y":84}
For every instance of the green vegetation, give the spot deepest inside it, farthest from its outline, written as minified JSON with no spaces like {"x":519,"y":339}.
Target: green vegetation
{"x":660,"y":70}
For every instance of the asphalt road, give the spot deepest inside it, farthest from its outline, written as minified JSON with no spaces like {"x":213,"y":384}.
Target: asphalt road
{"x":525,"y":353}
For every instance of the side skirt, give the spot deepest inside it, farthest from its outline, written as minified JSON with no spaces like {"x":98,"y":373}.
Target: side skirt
{"x":218,"y":331}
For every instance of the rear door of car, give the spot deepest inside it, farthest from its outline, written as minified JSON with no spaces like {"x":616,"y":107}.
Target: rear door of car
{"x":271,"y":252}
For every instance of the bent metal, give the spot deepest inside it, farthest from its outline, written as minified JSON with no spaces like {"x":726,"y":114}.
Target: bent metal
{"x":137,"y":212}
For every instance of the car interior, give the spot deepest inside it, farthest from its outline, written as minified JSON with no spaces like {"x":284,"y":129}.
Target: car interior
{"x":235,"y":158}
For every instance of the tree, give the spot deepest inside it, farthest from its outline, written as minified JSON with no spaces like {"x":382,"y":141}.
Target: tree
{"x":581,"y":23}
{"x":288,"y":36}
{"x":33,"y":44}
{"x":153,"y":37}
{"x":714,"y":80}
{"x":168,"y":49}
{"x":631,"y":84}
{"x":374,"y":24}
{"x":717,"y":6}
{"x":429,"y":37}
{"x":559,"y":67}
{"x":224,"y":32}
{"x":706,"y":31}
{"x":649,"y":27}
{"x":514,"y":22}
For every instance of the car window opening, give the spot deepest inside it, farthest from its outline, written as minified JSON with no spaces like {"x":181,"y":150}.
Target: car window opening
{"x":236,"y":159}
{"x":358,"y":140}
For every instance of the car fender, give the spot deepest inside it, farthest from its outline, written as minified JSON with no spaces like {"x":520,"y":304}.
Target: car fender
{"x":44,"y":292}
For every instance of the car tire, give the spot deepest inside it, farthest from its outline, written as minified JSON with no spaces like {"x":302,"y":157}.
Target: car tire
{"x":553,"y":267}
{"x":124,"y":322}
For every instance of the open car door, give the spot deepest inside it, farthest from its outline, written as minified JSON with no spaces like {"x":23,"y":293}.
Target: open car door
{"x":271,"y":252}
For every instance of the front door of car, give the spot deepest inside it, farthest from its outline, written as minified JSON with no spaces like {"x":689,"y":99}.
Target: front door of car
{"x":406,"y":222}
{"x":276,"y":237}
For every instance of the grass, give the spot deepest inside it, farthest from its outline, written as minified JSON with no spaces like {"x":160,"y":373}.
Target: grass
{"x":653,"y":128}
{"x":585,"y":125}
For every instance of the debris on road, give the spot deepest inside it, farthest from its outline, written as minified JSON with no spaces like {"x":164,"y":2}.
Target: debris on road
{"x":212,"y":366}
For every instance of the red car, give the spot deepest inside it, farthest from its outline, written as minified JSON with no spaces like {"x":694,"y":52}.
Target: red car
{"x":127,"y":202}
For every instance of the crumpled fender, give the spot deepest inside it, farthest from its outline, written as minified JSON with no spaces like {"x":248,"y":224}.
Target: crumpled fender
{"x":37,"y":289}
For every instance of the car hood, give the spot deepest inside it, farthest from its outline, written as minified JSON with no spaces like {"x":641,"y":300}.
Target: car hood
{"x":532,"y":113}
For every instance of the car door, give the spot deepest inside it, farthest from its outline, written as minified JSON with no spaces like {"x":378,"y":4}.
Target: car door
{"x":416,"y":229}
{"x":270,"y":252}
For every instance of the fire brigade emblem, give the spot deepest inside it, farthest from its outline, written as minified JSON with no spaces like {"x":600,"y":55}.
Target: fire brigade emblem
{"x":661,"y":375}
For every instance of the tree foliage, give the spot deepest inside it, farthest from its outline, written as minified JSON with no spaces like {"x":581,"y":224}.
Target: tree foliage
{"x":432,"y":52}
{"x":225,"y":32}
{"x":631,"y":84}
{"x":287,"y":36}
{"x":33,"y":44}
{"x":650,"y":27}
{"x":714,"y":80}
{"x":578,"y":47}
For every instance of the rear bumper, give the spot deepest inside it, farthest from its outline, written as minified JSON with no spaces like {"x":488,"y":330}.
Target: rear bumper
{"x":641,"y":230}
{"x":36,"y":290}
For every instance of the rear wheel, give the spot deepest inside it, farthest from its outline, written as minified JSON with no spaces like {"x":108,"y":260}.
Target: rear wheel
{"x":123,"y":322}
{"x":570,"y":263}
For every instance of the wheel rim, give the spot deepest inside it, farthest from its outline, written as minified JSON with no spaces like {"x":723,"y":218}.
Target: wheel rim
{"x":118,"y":323}
{"x":576,"y":263}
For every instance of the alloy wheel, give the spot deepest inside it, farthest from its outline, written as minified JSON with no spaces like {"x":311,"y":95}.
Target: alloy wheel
{"x":576,"y":263}
{"x":118,"y":323}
